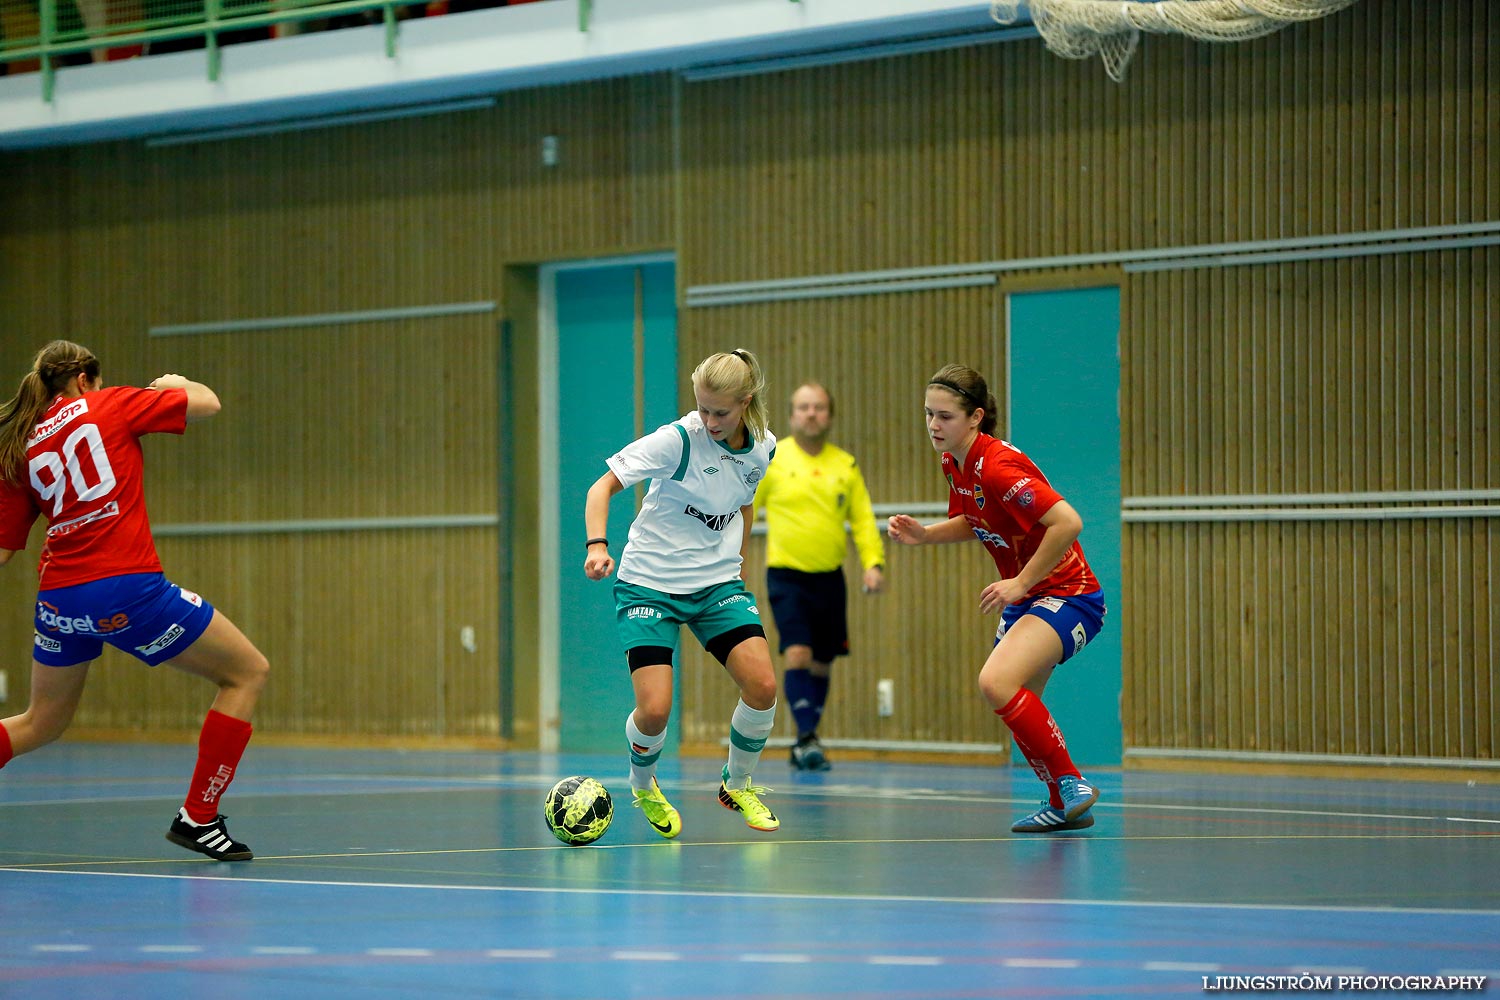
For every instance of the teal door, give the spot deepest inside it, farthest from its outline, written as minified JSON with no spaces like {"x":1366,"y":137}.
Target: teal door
{"x":616,"y":380}
{"x":1065,"y":413}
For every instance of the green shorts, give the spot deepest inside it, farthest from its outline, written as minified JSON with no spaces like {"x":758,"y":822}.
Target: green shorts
{"x":646,"y":617}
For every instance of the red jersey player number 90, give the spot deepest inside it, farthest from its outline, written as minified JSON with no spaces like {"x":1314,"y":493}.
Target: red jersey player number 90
{"x":48,"y":468}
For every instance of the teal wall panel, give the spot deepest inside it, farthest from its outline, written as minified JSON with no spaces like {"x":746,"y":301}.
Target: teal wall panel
{"x":1065,"y":413}
{"x":596,"y":371}
{"x":659,"y":311}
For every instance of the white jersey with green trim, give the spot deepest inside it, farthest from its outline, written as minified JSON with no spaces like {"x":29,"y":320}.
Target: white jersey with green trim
{"x":687,"y":535}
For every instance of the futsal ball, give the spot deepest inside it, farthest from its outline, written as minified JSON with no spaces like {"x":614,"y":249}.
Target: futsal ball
{"x":579,"y":810}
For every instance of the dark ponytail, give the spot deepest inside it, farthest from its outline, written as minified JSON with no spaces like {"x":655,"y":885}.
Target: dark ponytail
{"x":54,"y":367}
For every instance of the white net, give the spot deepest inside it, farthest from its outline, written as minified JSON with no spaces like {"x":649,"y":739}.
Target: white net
{"x":1111,"y":29}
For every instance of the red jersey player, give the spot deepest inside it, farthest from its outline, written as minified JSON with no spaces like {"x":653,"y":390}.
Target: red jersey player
{"x":70,"y":451}
{"x":1049,"y":601}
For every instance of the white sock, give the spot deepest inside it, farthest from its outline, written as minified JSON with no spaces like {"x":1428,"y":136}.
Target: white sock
{"x":748,"y":729}
{"x":183,"y":815}
{"x":644,"y":750}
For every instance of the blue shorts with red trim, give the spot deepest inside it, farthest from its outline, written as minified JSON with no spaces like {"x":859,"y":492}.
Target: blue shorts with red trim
{"x":143,"y":614}
{"x":1076,"y":620}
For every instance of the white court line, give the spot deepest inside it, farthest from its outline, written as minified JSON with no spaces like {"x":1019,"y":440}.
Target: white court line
{"x":904,"y":960}
{"x":91,"y":800}
{"x":546,"y":954}
{"x":905,"y":794}
{"x":1181,"y":967}
{"x":646,"y":956}
{"x":62,"y":947}
{"x":782,"y":896}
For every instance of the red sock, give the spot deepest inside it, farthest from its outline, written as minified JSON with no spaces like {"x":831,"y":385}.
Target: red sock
{"x":220,"y":746}
{"x":1054,"y":794}
{"x":6,"y":750}
{"x":1037,"y":733}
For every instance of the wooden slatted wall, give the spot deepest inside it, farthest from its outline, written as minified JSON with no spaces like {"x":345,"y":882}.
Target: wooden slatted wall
{"x":893,"y":634}
{"x":329,"y":421}
{"x":1377,"y":636}
{"x":1365,"y":374}
{"x":1372,"y":373}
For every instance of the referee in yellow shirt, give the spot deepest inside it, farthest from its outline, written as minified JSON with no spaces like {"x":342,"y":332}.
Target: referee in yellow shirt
{"x":810,"y":490}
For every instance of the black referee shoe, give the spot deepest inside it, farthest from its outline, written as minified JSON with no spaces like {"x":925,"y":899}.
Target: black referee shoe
{"x":807,"y":755}
{"x":212,"y":839}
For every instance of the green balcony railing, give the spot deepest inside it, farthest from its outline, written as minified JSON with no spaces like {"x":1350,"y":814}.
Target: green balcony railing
{"x":44,"y":35}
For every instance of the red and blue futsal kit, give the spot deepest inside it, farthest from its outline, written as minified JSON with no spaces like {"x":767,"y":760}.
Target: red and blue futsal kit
{"x":100,"y":577}
{"x":1003,"y":496}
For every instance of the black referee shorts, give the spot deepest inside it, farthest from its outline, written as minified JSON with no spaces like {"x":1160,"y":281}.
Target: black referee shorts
{"x":810,"y":609}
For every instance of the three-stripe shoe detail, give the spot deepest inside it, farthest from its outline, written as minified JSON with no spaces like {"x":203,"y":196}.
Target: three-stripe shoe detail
{"x":1077,"y":795}
{"x":212,"y":840}
{"x":1050,"y":820}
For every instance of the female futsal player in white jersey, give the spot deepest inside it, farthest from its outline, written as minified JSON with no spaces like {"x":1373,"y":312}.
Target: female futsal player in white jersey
{"x":682,"y":566}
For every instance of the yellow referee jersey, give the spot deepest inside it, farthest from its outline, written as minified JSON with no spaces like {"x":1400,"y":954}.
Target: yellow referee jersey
{"x":807,"y":499}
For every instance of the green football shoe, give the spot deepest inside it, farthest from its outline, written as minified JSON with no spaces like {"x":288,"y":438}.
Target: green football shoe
{"x":660,"y":813}
{"x":746,"y":801}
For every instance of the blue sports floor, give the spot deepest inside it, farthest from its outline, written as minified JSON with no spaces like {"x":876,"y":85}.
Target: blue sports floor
{"x":392,"y":874}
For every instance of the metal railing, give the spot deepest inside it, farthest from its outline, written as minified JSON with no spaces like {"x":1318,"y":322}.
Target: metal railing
{"x":43,"y":35}
{"x":46,"y":35}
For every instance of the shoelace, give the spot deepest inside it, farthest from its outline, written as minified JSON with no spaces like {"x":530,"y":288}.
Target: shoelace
{"x":756,"y":790}
{"x":653,"y":798}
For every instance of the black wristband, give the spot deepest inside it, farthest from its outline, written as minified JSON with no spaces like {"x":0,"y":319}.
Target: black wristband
{"x":595,"y":541}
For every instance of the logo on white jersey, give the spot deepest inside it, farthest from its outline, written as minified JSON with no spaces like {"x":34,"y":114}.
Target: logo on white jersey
{"x":57,"y":421}
{"x":716,"y":522}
